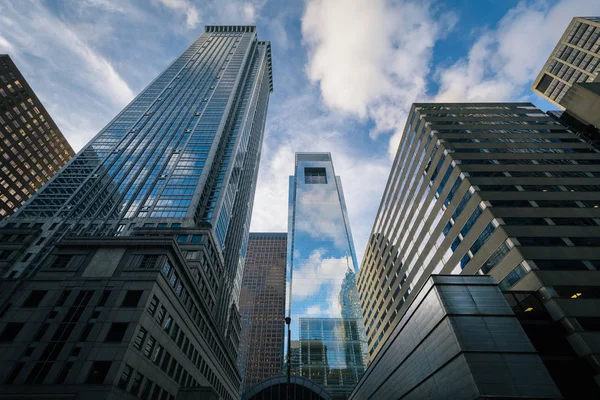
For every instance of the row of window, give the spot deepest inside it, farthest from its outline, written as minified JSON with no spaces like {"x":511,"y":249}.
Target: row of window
{"x":173,"y":330}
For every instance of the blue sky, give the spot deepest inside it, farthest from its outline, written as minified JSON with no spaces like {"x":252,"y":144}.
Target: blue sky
{"x":345,"y":71}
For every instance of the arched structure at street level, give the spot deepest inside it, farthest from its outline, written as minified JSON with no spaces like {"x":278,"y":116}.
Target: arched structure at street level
{"x":276,"y":388}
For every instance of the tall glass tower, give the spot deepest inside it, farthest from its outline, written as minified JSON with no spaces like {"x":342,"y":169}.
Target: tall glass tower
{"x":327,"y":335}
{"x":165,"y":189}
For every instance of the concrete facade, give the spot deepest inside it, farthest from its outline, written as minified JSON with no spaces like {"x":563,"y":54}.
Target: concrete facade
{"x":576,"y":58}
{"x":459,"y":339}
{"x":487,"y":188}
{"x":141,"y":312}
{"x":582,"y":101}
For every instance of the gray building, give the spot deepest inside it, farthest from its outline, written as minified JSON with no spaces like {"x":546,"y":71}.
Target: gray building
{"x":491,"y":188}
{"x":33,"y":147}
{"x":262,"y":308}
{"x":459,"y":339}
{"x":575,"y":59}
{"x":121,"y":276}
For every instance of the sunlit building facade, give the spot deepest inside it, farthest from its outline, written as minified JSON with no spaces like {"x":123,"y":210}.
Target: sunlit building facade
{"x":327,"y":337}
{"x":124,"y":271}
{"x":262,"y":308}
{"x":498,"y":189}
{"x":33,"y":148}
{"x":575,"y":59}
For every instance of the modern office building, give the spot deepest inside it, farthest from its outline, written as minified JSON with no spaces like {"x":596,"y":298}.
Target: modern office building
{"x":123,"y":273}
{"x":262,"y":308}
{"x":575,"y":59}
{"x":327,"y":337}
{"x":459,"y":340}
{"x":582,"y":102}
{"x":491,"y":188}
{"x":33,"y":148}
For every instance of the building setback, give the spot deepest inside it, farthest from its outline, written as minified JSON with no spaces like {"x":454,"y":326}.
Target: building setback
{"x":122,"y":274}
{"x":498,"y":189}
{"x":575,"y":59}
{"x":33,"y":148}
{"x":327,"y":336}
{"x":262,"y":308}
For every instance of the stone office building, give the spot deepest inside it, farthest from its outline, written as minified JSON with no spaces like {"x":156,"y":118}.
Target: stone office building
{"x":499,"y":189}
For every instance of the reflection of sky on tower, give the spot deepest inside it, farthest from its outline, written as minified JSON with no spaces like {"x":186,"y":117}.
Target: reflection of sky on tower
{"x":322,"y":263}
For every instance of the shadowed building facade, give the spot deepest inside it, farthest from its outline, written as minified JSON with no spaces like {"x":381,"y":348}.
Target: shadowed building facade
{"x":327,"y":337}
{"x":125,"y":276}
{"x":262,"y":308}
{"x":575,"y":59}
{"x":498,"y":189}
{"x":33,"y":148}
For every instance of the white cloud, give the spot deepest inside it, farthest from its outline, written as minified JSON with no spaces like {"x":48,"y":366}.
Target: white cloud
{"x":371,"y":57}
{"x":5,"y":46}
{"x":502,"y":63}
{"x":187,"y":9}
{"x":316,"y":271}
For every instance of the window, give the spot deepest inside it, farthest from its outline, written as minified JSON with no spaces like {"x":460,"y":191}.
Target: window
{"x":11,"y":330}
{"x":149,"y":346}
{"x":513,"y":277}
{"x":15,"y":372}
{"x":315,"y":176}
{"x":125,"y":376}
{"x":63,"y":298}
{"x":85,"y":332}
{"x":137,"y":382}
{"x":40,"y":333}
{"x":116,"y":332}
{"x":62,"y":376}
{"x":160,"y":315}
{"x":166,"y":269}
{"x":98,"y":372}
{"x":182,"y":238}
{"x":104,"y":298}
{"x":167,"y":325}
{"x":61,"y":262}
{"x":139,"y":339}
{"x":132,"y":298}
{"x":153,"y":305}
{"x":196,"y":239}
{"x":35,"y":298}
{"x":148,"y":261}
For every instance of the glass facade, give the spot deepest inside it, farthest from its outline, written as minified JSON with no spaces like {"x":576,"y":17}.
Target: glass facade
{"x":327,"y":337}
{"x":172,"y":177}
{"x":262,"y":308}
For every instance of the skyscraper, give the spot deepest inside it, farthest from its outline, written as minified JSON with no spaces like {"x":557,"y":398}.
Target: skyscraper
{"x":498,"y":189}
{"x":33,"y":148}
{"x":575,"y":59}
{"x":262,"y":308}
{"x":326,"y":334}
{"x":129,"y":262}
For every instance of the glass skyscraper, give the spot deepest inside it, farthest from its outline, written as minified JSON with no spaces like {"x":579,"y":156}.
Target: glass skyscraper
{"x":157,"y":206}
{"x":327,"y":335}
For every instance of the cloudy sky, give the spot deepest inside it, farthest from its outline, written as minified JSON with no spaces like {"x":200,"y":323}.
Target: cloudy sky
{"x":345,"y":71}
